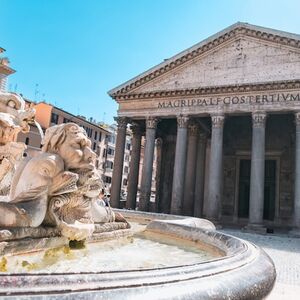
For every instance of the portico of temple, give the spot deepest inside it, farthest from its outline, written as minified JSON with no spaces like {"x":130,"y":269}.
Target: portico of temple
{"x":226,"y":115}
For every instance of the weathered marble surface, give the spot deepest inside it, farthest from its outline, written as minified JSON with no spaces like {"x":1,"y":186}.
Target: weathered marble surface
{"x":245,"y":272}
{"x":56,"y":188}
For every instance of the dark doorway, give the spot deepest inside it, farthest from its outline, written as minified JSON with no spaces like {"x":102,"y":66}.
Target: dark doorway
{"x":244,"y":188}
{"x":269,"y":191}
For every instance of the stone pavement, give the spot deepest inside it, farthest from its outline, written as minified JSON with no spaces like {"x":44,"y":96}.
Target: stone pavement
{"x":285,"y":252}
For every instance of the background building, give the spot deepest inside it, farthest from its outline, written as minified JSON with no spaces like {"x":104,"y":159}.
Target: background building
{"x":109,"y":162}
{"x":5,"y":71}
{"x":48,"y":115}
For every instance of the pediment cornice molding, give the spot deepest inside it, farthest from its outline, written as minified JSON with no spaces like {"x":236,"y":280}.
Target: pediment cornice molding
{"x":234,"y":31}
{"x":226,"y":89}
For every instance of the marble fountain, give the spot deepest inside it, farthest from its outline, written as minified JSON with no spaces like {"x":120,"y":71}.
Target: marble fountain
{"x":57,"y":240}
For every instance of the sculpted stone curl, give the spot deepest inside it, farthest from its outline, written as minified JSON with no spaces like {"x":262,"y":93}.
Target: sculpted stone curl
{"x":57,"y":187}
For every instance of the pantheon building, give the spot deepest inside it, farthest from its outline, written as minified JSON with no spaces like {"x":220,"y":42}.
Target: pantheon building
{"x":224,"y":117}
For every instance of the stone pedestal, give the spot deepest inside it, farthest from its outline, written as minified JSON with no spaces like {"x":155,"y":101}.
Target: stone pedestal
{"x":134,"y":167}
{"x":213,"y":207}
{"x":179,"y":166}
{"x":118,"y":162}
{"x":257,"y":177}
{"x":151,"y":124}
{"x":200,"y":175}
{"x":190,"y":173}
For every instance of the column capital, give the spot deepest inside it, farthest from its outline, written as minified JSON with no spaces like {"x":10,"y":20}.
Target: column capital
{"x":136,"y":129}
{"x":259,"y":119}
{"x":122,"y":122}
{"x":297,"y":118}
{"x":217,"y":120}
{"x":151,"y":122}
{"x":182,"y":121}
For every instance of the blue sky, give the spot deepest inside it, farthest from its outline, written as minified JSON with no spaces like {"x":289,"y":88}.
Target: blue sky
{"x":77,"y":50}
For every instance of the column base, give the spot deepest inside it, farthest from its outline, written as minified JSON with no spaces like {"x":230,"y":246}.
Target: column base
{"x":255,"y":228}
{"x":295,"y":232}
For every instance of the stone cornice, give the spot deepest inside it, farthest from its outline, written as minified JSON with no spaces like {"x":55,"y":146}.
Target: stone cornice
{"x":239,"y":88}
{"x":6,"y":69}
{"x":239,"y":29}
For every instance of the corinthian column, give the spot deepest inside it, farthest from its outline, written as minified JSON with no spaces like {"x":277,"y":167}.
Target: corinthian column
{"x":179,"y":165}
{"x":190,"y":174}
{"x":213,"y":209}
{"x":200,"y":175}
{"x":118,"y":162}
{"x":257,"y":177}
{"x":134,"y":167}
{"x":151,"y":124}
{"x":296,"y":229}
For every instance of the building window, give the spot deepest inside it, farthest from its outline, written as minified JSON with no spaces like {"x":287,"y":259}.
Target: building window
{"x":104,"y":153}
{"x":54,"y":118}
{"x":100,"y":136}
{"x":67,"y":120}
{"x":126,"y":170}
{"x":109,"y":164}
{"x":126,"y":157}
{"x":110,"y":151}
{"x":124,"y":181}
{"x":107,"y":179}
{"x":128,"y":146}
{"x":96,"y":135}
{"x":94,"y":146}
{"x":27,"y":141}
{"x":98,"y":150}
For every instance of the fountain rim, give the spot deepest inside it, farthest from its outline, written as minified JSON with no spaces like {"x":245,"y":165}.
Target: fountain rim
{"x":243,"y":255}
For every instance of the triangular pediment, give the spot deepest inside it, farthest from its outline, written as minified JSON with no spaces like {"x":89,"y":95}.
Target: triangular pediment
{"x":241,"y":54}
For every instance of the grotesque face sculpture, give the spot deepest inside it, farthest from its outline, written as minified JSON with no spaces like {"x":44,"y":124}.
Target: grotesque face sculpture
{"x":14,"y":117}
{"x":71,"y":143}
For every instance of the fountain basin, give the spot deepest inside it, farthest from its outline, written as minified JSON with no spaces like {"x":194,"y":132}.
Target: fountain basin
{"x":240,"y":271}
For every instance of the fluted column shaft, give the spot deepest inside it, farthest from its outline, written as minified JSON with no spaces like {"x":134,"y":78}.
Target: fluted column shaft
{"x":190,"y":173}
{"x":118,"y":162}
{"x":134,"y":167}
{"x":179,"y":166}
{"x":151,"y":124}
{"x":215,"y":169}
{"x":159,"y":143}
{"x":257,"y":177}
{"x":297,"y":174}
{"x":200,"y":175}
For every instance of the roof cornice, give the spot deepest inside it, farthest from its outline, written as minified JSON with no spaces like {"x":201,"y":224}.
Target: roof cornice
{"x":225,"y":89}
{"x":6,"y":70}
{"x":266,"y":34}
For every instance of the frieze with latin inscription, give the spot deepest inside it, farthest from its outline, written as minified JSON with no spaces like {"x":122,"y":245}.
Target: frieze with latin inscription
{"x":256,"y":99}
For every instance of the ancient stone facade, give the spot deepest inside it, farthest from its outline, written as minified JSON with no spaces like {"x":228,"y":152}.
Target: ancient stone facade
{"x":227,"y":115}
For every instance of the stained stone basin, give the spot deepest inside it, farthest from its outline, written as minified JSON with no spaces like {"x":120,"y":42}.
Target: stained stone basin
{"x":164,"y":257}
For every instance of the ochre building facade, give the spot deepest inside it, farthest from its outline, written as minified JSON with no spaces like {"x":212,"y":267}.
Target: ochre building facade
{"x":226,"y":113}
